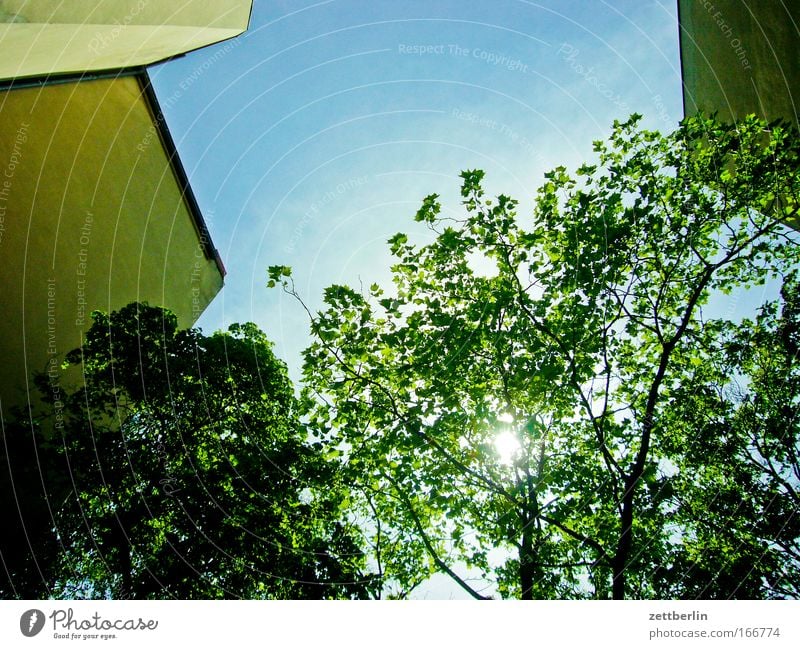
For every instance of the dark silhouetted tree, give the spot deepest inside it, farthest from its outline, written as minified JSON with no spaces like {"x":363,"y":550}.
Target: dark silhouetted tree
{"x":189,"y":474}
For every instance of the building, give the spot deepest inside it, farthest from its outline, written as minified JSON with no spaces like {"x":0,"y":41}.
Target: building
{"x":740,"y":57}
{"x":95,"y":207}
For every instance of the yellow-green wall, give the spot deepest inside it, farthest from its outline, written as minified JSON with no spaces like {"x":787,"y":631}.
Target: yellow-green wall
{"x":93,"y":217}
{"x":741,"y":57}
{"x":40,"y":37}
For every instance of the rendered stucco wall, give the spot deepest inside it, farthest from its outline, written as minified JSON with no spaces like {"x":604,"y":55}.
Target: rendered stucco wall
{"x":40,"y":37}
{"x":741,"y":57}
{"x":91,"y":217}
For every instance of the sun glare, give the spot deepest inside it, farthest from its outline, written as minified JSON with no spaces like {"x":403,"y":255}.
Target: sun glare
{"x":507,"y":445}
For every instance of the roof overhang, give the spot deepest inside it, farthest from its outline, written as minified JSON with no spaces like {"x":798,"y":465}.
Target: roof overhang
{"x":42,"y":37}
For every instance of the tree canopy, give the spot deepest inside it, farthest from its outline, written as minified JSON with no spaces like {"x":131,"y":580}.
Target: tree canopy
{"x":549,"y":401}
{"x":542,"y":406}
{"x":186,"y":474}
{"x":743,"y":527}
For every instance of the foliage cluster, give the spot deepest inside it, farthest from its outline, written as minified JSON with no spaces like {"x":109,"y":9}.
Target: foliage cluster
{"x":538,"y":407}
{"x":655,"y":441}
{"x":181,"y":470}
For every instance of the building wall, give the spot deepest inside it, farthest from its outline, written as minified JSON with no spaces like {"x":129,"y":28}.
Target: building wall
{"x":741,"y":57}
{"x":92,"y":216}
{"x":231,"y":14}
{"x":40,"y":37}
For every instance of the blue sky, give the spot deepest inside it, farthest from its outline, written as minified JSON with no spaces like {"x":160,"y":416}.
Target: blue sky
{"x":313,"y":138}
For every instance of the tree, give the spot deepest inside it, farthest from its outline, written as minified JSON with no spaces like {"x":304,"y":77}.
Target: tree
{"x":190,"y":475}
{"x":29,"y":552}
{"x":742,"y":529}
{"x":503,"y":406}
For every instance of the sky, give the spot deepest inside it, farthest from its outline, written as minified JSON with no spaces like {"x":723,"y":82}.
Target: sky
{"x":314,"y":137}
